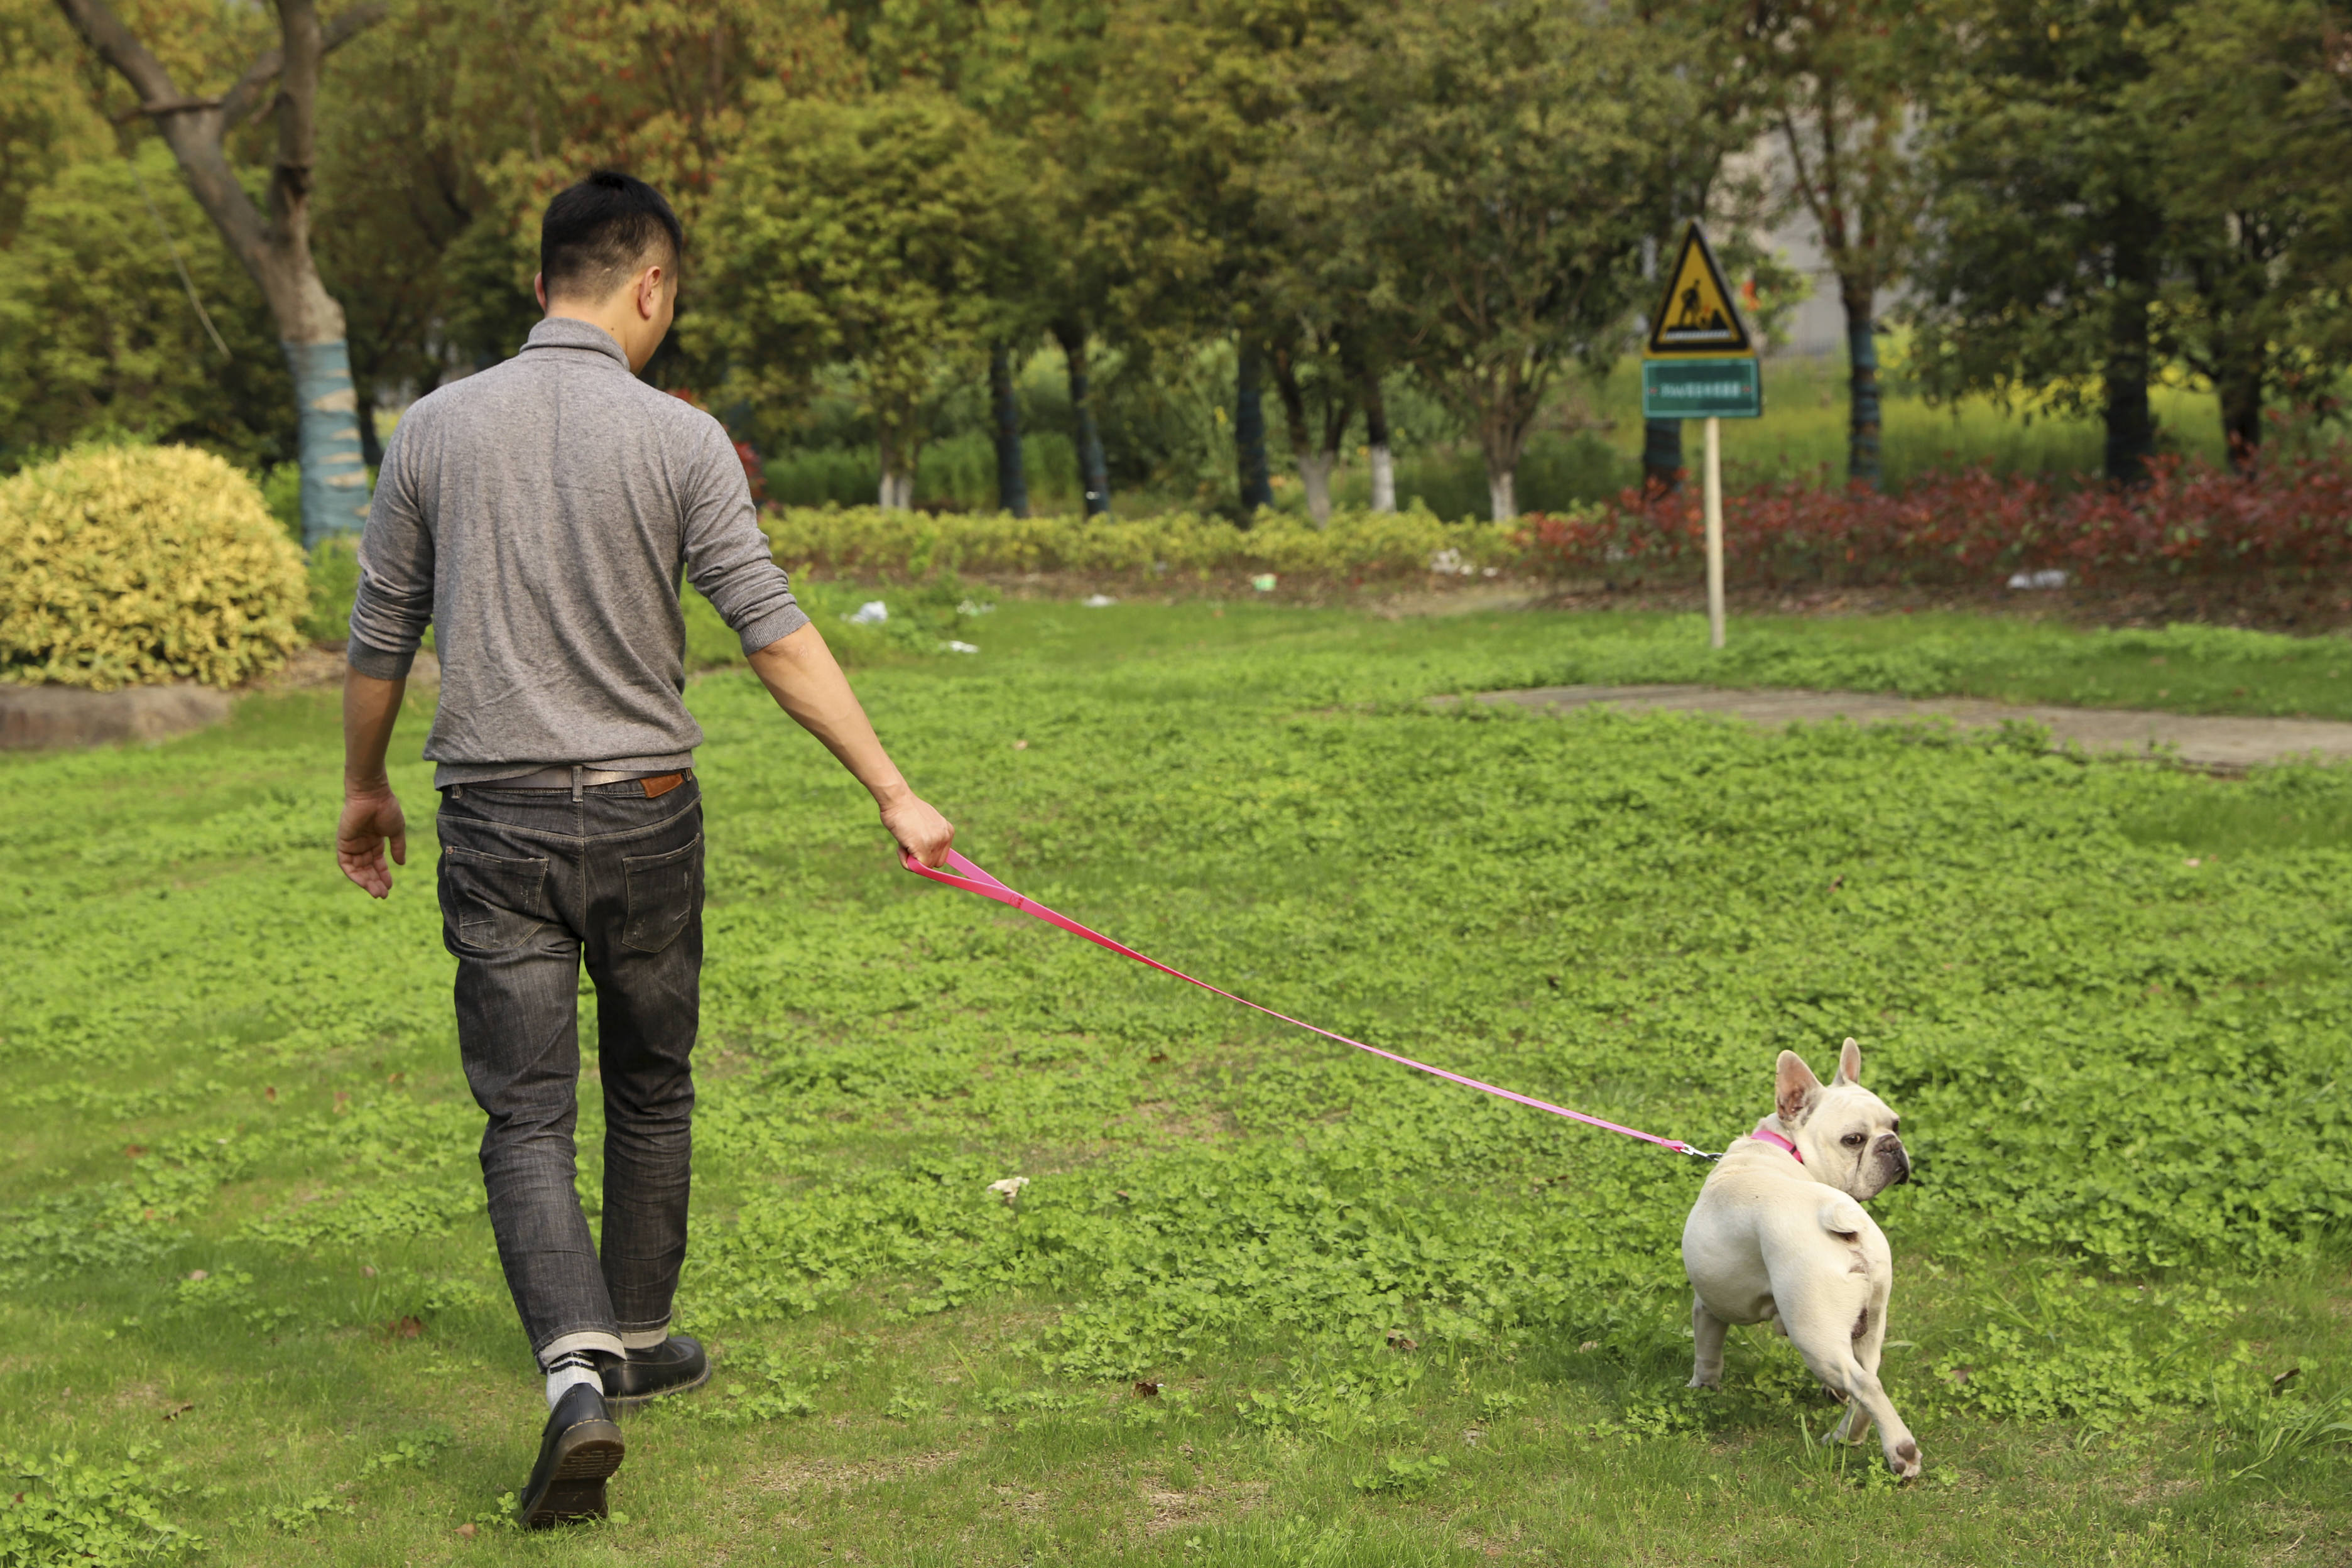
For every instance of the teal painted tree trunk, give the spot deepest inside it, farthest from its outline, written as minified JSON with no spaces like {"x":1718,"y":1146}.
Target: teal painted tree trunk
{"x":334,"y":469}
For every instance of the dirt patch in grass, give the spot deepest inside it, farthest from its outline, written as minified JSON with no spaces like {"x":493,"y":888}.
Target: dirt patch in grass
{"x":848,"y":1474}
{"x":1208,"y":1503}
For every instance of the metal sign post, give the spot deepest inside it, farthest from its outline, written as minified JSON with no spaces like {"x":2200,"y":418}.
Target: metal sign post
{"x":1701,"y":363}
{"x":1714,"y":530}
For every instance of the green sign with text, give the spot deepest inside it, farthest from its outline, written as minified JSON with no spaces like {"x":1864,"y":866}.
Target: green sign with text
{"x":1726,"y":388}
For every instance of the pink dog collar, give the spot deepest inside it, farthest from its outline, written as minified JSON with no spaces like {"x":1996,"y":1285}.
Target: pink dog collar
{"x":1766,"y":1135}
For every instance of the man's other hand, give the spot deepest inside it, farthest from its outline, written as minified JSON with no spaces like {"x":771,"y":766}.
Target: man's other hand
{"x":370,"y":821}
{"x":921,"y":831}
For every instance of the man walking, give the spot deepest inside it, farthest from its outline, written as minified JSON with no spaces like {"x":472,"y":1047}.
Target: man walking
{"x":538,"y":515}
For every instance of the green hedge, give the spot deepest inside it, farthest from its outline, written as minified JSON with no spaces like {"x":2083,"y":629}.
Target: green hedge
{"x":1358,"y":546}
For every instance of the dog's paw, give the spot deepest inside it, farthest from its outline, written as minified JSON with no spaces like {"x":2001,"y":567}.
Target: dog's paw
{"x":1703,"y":1380}
{"x":1903,"y":1459}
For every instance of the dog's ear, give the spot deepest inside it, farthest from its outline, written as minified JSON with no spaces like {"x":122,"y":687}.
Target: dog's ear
{"x":1849,"y":1066}
{"x":1794,"y":1087}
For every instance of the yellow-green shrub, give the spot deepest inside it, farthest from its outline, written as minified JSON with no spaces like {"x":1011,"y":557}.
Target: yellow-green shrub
{"x":129,"y":566}
{"x":1366,"y":545}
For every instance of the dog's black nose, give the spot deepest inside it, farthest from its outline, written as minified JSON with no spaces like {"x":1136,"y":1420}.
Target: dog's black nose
{"x":1891,"y":1148}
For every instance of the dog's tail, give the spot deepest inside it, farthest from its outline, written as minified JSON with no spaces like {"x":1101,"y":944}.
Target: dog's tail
{"x":1842,"y":1218}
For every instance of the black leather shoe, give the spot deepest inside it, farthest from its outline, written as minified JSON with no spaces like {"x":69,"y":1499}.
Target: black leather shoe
{"x":581,"y":1449}
{"x":673,"y":1366}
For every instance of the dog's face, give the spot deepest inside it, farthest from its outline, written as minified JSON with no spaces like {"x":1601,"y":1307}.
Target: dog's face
{"x":1849,"y":1137}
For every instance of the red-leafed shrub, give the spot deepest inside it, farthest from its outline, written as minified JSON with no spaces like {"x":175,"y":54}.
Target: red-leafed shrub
{"x":2294,"y":518}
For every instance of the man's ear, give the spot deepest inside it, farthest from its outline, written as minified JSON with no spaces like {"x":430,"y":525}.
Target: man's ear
{"x":539,"y":287}
{"x":1794,"y":1087}
{"x":650,"y":283}
{"x":1849,"y":1066}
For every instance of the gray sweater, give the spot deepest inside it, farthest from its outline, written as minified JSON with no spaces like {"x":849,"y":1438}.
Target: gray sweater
{"x":539,"y":514}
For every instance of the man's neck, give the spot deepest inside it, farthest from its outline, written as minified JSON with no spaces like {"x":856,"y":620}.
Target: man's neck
{"x":613,"y":322}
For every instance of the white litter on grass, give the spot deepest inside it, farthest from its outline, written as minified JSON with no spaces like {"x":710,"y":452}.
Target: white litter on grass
{"x":1009,"y":1189}
{"x":872,"y":613}
{"x":1448,"y":562}
{"x":954,"y":646}
{"x":969,"y":608}
{"x":1264,"y":582}
{"x":1098,"y":601}
{"x":2051,"y":577}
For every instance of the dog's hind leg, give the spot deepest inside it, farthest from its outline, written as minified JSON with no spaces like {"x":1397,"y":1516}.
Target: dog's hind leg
{"x":1707,"y":1333}
{"x":1830,"y":1350}
{"x":1869,"y":1338}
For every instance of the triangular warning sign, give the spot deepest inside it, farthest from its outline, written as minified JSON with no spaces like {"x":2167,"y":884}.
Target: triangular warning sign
{"x":1695,"y":316}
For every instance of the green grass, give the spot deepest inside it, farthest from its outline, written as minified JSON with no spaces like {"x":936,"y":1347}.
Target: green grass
{"x":1393,"y":1322}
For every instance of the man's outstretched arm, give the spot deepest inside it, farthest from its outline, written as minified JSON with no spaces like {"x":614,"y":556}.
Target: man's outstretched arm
{"x":806,"y":683}
{"x":371,"y":815}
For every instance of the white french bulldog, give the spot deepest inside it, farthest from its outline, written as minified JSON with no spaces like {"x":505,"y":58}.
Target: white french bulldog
{"x":1778,"y":1234}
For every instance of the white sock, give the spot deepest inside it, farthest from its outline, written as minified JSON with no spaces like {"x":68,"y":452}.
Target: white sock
{"x":567,"y":1372}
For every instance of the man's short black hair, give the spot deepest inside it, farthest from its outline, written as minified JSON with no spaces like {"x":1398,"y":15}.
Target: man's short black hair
{"x":601,"y":232}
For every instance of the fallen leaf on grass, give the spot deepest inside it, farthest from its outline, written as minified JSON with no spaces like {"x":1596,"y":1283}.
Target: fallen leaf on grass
{"x":1399,"y":1339}
{"x":406,"y":1328}
{"x":1146,"y":1389}
{"x":179,"y":1410}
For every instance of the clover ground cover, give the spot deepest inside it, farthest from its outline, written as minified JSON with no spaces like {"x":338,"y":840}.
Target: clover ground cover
{"x":250,"y":1298}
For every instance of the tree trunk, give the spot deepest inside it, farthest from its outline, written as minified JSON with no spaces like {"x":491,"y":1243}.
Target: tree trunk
{"x":898,"y":437}
{"x":2239,"y":370}
{"x":1366,"y":381}
{"x":2131,"y":426}
{"x":1862,"y":399}
{"x":371,"y":445}
{"x":275,"y":251}
{"x":1093,"y":474}
{"x":1011,"y":479}
{"x":1315,"y":461}
{"x":2240,"y":389}
{"x":334,"y":469}
{"x":1661,"y":457}
{"x":1502,"y":492}
{"x":1376,"y":438}
{"x":1506,"y":404}
{"x":1249,"y":431}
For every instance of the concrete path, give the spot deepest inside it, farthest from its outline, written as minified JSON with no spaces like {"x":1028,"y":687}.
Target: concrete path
{"x":2221,"y":746}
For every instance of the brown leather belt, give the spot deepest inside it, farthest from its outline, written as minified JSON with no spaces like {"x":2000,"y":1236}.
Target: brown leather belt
{"x":576,"y":779}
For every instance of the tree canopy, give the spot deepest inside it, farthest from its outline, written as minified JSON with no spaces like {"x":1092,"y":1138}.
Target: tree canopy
{"x":1322,"y":202}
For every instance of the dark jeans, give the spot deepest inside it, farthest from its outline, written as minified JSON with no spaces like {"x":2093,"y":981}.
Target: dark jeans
{"x":532,"y":882}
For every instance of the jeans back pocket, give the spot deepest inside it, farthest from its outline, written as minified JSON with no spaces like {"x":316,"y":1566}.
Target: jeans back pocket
{"x":665,"y":892}
{"x":489,"y":902}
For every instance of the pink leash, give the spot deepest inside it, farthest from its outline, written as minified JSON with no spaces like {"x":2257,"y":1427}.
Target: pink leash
{"x":975,"y":880}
